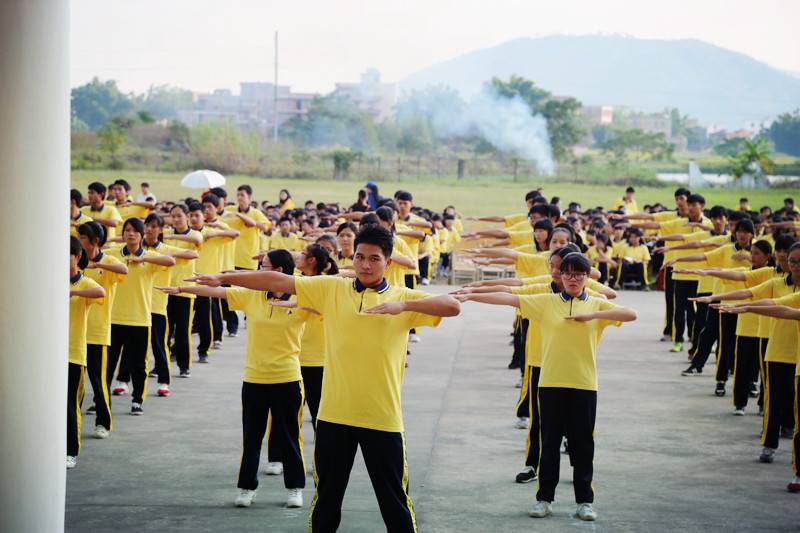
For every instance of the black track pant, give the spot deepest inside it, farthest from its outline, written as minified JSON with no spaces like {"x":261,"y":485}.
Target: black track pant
{"x":567,"y":413}
{"x":763,"y":350}
{"x":518,"y":355}
{"x":796,"y":436}
{"x":385,"y":458}
{"x":669,"y":300}
{"x":202,"y":323}
{"x":745,"y":369}
{"x":778,"y":399}
{"x":312,"y":383}
{"x":231,"y":318}
{"x":684,"y":309}
{"x":532,"y":448}
{"x":158,"y":344}
{"x":216,"y":318}
{"x":130,"y":342}
{"x":424,"y":266}
{"x":707,"y":338}
{"x":74,"y":400}
{"x":179,"y":315}
{"x":700,"y":320}
{"x":284,"y":402}
{"x":97,"y":369}
{"x":632,"y":272}
{"x":727,"y":345}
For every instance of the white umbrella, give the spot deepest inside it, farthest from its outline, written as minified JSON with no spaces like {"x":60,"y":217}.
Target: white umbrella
{"x":203,"y":179}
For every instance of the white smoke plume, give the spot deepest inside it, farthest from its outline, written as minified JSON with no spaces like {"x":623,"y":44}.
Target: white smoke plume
{"x":506,"y":123}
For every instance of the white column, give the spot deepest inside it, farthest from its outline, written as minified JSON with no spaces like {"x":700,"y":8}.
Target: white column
{"x":34,"y":308}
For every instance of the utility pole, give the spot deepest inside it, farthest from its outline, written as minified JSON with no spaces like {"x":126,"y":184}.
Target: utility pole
{"x":275,"y":95}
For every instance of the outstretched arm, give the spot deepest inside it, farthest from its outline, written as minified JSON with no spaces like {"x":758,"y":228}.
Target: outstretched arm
{"x":259,"y":281}
{"x":620,"y":314}
{"x":775,"y":311}
{"x":93,"y":293}
{"x":493,"y":298}
{"x":208,"y":292}
{"x":443,"y":305}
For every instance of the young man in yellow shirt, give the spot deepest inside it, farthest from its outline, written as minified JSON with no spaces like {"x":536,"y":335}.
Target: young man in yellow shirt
{"x":363,"y":376}
{"x":102,"y":213}
{"x":571,"y":324}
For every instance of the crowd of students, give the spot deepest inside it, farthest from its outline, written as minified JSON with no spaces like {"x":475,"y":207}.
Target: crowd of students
{"x":146,"y":275}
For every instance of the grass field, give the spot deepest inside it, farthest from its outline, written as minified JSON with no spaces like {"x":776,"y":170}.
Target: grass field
{"x":487,"y":196}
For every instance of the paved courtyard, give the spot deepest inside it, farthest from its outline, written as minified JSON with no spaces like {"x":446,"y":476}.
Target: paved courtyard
{"x":669,"y":455}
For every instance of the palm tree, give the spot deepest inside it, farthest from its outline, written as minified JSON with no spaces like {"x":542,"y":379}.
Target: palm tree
{"x":754,"y":158}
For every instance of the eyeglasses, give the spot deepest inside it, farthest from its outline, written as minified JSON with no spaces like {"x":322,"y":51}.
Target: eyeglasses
{"x":794,"y":262}
{"x":573,"y":275}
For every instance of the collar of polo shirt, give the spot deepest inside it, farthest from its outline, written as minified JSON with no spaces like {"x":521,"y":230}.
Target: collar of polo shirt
{"x":740,"y":248}
{"x":137,"y":253}
{"x":74,"y":279}
{"x":187,"y":232}
{"x":269,"y":295}
{"x":554,"y":287}
{"x":98,"y":257}
{"x":566,"y":297}
{"x":382,"y":287}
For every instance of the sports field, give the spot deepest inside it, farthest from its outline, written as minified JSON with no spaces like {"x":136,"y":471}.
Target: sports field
{"x":487,"y":196}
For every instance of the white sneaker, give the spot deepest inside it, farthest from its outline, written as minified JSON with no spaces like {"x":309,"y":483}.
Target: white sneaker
{"x":425,"y":281}
{"x":121,"y":389}
{"x":217,"y":345}
{"x":245,"y":498}
{"x":540,"y":509}
{"x":739,"y":411}
{"x":522,"y":422}
{"x":163,"y":390}
{"x":413,"y":337}
{"x":586,"y":512}
{"x":274,"y":469}
{"x":518,"y":384}
{"x":100,"y":432}
{"x":294,"y":497}
{"x":72,"y":462}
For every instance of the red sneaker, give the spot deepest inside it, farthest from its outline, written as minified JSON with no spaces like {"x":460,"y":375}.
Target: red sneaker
{"x":163,"y":390}
{"x":121,"y":389}
{"x":794,"y":485}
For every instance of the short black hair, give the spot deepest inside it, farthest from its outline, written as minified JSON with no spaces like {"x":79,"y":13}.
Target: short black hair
{"x":630,"y":189}
{"x":784,"y":242}
{"x":541,"y":209}
{"x":743,"y":199}
{"x":746,"y":225}
{"x":735,"y":216}
{"x":325,"y":264}
{"x":75,"y":248}
{"x":532,"y":195}
{"x":764,"y":246}
{"x":717,"y":211}
{"x":564,"y":251}
{"x":182,"y":207}
{"x":576,"y":262}
{"x":788,"y":201}
{"x":347,"y":225}
{"x":125,"y":185}
{"x":246,"y":188}
{"x":93,"y":231}
{"x":403,"y":195}
{"x":553,"y":211}
{"x":282,"y":259}
{"x":145,"y":184}
{"x":154,"y":217}
{"x":377,"y":236}
{"x":368,"y":219}
{"x":219,"y":192}
{"x":195,"y":206}
{"x":211,"y":198}
{"x":695,"y":198}
{"x":137,"y":224}
{"x":385,"y":213}
{"x":76,"y":196}
{"x":682,"y":191}
{"x":97,"y":187}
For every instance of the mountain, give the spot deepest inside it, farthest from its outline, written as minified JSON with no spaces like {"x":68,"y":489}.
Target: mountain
{"x":713,"y":84}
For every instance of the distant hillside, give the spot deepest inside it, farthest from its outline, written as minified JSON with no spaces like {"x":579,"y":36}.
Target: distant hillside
{"x":710,"y":83}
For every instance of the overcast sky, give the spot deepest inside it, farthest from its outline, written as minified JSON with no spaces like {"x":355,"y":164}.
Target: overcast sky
{"x":208,"y":44}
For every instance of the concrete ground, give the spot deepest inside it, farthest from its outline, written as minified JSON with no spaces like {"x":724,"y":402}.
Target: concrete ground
{"x":669,"y":455}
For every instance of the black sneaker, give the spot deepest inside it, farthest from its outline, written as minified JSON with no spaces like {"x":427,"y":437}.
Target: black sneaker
{"x":787,"y":433}
{"x":153,"y":374}
{"x":527,"y":475}
{"x":753,"y":390}
{"x":202,"y":358}
{"x":92,"y":410}
{"x":692,"y":371}
{"x":720,"y":390}
{"x":186,"y":373}
{"x":136,"y":409}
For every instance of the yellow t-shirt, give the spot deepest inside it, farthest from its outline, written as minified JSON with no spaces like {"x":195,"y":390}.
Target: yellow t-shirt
{"x":529,"y":265}
{"x":679,"y":225}
{"x":707,"y":284}
{"x":630,"y":207}
{"x":752,"y":278}
{"x":212,"y":253}
{"x":520,"y":237}
{"x":722,"y":258}
{"x":130,"y":211}
{"x":78,"y":315}
{"x":291,"y":242}
{"x":98,"y":328}
{"x":365,"y":359}
{"x":74,"y":222}
{"x":783,"y":337}
{"x":247,"y":245}
{"x":636,"y":254}
{"x":162,"y":278}
{"x":105,"y":212}
{"x":396,"y":272}
{"x":287,"y":205}
{"x":312,"y":344}
{"x":134,"y":298}
{"x":273,"y":337}
{"x":184,"y":268}
{"x":568,"y":348}
{"x":412,"y":245}
{"x":510,"y":220}
{"x":792,"y":300}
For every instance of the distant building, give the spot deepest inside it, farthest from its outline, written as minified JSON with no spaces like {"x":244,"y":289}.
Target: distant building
{"x":652,"y":123}
{"x":370,"y":95}
{"x":596,"y":114}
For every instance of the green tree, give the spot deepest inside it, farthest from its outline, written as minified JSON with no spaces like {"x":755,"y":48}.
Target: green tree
{"x":753,"y":153}
{"x":112,"y":138}
{"x":731,"y":147}
{"x":563,"y":123}
{"x":97,"y":102}
{"x":225,"y":148}
{"x":333,"y":120}
{"x":164,"y":101}
{"x":342,"y":160}
{"x":643,"y":145}
{"x":785,"y":133}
